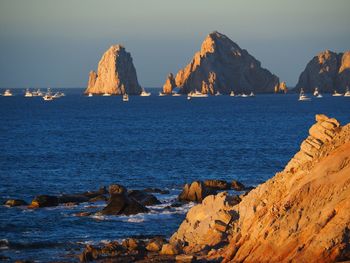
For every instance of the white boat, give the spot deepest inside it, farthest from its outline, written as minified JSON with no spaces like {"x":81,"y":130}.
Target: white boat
{"x":56,"y":95}
{"x":251,"y":94}
{"x":244,"y":95}
{"x":125,"y":97}
{"x":176,"y":94}
{"x":7,"y":93}
{"x":106,"y":94}
{"x":145,"y":94}
{"x":218,"y":93}
{"x":302,"y":96}
{"x":28,"y":93}
{"x":347,"y":93}
{"x":232,"y":93}
{"x":336,"y":94}
{"x":37,"y":93}
{"x":317,"y":94}
{"x":197,"y":94}
{"x":161,"y":94}
{"x":90,"y":94}
{"x":188,"y":97}
{"x":48,"y":96}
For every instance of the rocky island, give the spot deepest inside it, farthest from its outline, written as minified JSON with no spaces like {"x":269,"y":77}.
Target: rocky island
{"x":115,"y":75}
{"x":328,"y":71}
{"x":222,"y":66}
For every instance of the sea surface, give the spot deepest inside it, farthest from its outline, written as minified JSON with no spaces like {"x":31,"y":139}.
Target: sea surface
{"x":76,"y":144}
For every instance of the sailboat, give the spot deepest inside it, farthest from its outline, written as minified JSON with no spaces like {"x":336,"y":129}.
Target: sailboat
{"x":302,"y":96}
{"x":251,"y":94}
{"x":232,"y":93}
{"x":218,"y":93}
{"x":145,"y":94}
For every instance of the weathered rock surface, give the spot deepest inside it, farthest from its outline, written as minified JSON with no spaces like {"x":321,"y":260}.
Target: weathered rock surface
{"x":328,"y":71}
{"x":299,"y":215}
{"x":195,"y":192}
{"x":169,"y":84}
{"x":143,"y":198}
{"x":217,"y":184}
{"x":116,"y":74}
{"x":221,"y":65}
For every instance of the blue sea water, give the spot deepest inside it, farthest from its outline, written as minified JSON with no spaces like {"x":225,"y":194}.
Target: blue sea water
{"x":76,"y":144}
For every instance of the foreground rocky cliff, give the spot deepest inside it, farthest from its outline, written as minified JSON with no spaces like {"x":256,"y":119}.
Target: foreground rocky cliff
{"x":116,"y":74}
{"x":328,"y":71}
{"x":221,"y":65}
{"x":299,"y":215}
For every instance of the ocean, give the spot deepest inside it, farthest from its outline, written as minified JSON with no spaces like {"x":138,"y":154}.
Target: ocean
{"x":76,"y":144}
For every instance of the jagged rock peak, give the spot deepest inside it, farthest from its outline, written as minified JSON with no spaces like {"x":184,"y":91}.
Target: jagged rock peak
{"x":234,"y":69}
{"x":328,"y":71}
{"x":116,"y":74}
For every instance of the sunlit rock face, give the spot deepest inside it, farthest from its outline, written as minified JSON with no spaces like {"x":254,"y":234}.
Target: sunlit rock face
{"x":328,"y":71}
{"x":169,"y":84}
{"x":221,"y":65}
{"x":116,"y":74}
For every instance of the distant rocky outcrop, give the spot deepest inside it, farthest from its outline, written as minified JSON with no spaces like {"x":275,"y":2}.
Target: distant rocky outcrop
{"x":299,"y":215}
{"x":221,"y":65}
{"x":328,"y":71}
{"x":169,"y":84}
{"x":116,"y":74}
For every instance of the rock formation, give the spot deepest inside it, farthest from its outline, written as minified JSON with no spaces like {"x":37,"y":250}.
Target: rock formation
{"x":299,"y":215}
{"x":221,"y":65}
{"x":282,"y":87}
{"x":116,"y":74}
{"x":328,"y":71}
{"x":169,"y":84}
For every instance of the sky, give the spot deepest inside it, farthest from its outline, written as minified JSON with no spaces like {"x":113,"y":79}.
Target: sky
{"x":46,"y":43}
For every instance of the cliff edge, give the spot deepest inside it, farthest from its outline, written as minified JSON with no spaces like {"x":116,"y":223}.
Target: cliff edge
{"x":299,"y":215}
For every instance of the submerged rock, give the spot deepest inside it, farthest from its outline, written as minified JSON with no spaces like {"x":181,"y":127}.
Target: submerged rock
{"x":44,"y":201}
{"x":221,"y":65}
{"x":15,"y":202}
{"x":328,"y":71}
{"x":116,"y":74}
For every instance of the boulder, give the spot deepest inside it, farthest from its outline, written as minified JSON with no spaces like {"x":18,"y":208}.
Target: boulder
{"x":116,"y":74}
{"x":143,"y":198}
{"x":132,"y":244}
{"x":169,"y":249}
{"x":44,"y":201}
{"x":195,"y":192}
{"x":238,"y":186}
{"x":15,"y":202}
{"x":155,"y":244}
{"x":217,"y":184}
{"x":221,"y":65}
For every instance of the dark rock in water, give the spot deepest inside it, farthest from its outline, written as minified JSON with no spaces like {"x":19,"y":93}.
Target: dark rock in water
{"x":116,"y":189}
{"x":44,"y":201}
{"x":217,"y":184}
{"x":98,"y":198}
{"x":156,"y":190}
{"x":195,"y":192}
{"x":101,"y":191}
{"x":143,"y":198}
{"x":15,"y":202}
{"x":119,"y":203}
{"x":238,"y":186}
{"x":63,"y":199}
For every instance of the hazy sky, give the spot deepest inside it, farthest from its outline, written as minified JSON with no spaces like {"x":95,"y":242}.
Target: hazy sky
{"x":56,"y":43}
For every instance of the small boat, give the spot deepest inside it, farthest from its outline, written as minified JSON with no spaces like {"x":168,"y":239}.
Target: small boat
{"x":317,"y":94}
{"x":232,"y":93}
{"x":7,"y":93}
{"x":145,"y":94}
{"x":48,"y":96}
{"x":218,"y":93}
{"x":302,"y":96}
{"x":28,"y":94}
{"x":176,"y":94}
{"x":161,"y":94}
{"x":37,"y":93}
{"x":58,"y":95}
{"x":336,"y":94}
{"x":90,"y":94}
{"x":244,"y":95}
{"x":125,"y":97}
{"x":347,"y":92}
{"x":188,"y":97}
{"x":197,"y":94}
{"x":251,"y":94}
{"x":106,"y":94}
